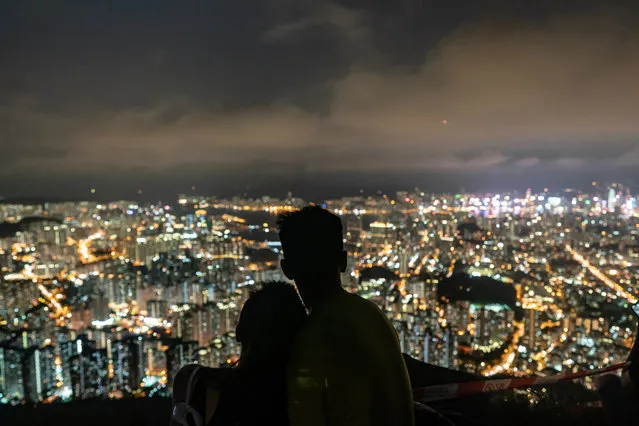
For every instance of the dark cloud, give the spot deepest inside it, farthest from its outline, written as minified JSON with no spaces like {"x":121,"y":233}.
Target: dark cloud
{"x":276,"y":89}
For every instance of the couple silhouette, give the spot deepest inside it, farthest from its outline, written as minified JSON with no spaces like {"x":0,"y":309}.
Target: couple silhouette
{"x":311,"y":354}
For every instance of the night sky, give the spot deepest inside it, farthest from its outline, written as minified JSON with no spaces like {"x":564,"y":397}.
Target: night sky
{"x":317,"y":97}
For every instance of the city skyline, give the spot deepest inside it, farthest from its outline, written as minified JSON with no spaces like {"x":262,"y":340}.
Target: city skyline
{"x":124,"y":97}
{"x":111,"y":299}
{"x":315,"y":193}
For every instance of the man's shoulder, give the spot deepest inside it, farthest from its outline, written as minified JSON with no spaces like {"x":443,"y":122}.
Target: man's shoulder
{"x":360,"y":306}
{"x":344,"y":314}
{"x":351,"y":313}
{"x":341,"y":312}
{"x":345,"y":297}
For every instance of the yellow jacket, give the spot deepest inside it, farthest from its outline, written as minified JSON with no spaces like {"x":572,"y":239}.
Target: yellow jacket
{"x":347,"y":368}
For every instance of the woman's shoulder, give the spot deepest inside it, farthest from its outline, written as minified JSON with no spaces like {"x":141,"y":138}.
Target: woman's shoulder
{"x":229,"y":387}
{"x":217,"y":375}
{"x":226,"y":381}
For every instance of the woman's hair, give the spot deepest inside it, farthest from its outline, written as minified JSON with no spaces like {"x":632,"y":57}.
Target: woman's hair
{"x":269,"y":322}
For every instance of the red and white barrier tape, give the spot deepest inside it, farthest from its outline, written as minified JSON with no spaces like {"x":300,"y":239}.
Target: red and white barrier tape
{"x":454,"y":390}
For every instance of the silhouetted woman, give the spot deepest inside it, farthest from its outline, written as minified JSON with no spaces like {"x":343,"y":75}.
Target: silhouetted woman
{"x":253,"y":392}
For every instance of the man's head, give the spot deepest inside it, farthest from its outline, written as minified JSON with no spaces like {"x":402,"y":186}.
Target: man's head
{"x":314,"y":253}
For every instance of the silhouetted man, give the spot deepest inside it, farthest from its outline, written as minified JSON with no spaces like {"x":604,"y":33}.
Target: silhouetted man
{"x":346,"y":367}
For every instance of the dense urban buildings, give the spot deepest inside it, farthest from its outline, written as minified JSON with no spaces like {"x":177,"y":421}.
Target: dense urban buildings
{"x":111,"y":299}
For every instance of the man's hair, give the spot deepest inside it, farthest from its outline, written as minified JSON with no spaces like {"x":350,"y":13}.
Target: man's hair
{"x":311,"y":233}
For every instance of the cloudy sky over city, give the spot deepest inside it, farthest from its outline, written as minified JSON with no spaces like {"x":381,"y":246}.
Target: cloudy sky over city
{"x":227,"y":94}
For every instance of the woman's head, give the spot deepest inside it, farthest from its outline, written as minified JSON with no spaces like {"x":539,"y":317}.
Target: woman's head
{"x":269,"y":321}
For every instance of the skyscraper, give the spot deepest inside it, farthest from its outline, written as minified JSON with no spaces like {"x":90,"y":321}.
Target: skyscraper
{"x":427,"y":339}
{"x":11,"y":374}
{"x":40,"y":373}
{"x":89,"y":373}
{"x":70,"y":348}
{"x":404,"y":258}
{"x":127,"y":357}
{"x":612,"y":199}
{"x":530,"y":322}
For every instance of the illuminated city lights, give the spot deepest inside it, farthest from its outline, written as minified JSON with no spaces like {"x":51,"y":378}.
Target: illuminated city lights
{"x":491,"y":284}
